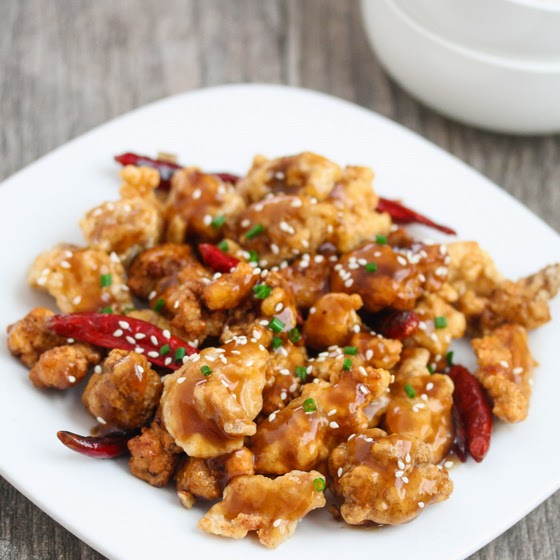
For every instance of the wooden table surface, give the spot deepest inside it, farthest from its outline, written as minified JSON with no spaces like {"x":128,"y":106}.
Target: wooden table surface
{"x":67,"y":66}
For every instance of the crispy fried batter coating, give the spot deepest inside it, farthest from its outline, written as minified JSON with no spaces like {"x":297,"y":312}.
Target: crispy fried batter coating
{"x":505,"y":367}
{"x":210,"y":403}
{"x":72,"y":275}
{"x":126,"y":393}
{"x":385,"y":479}
{"x":331,"y":320}
{"x":29,"y":337}
{"x":63,"y":367}
{"x":139,"y":181}
{"x":229,"y":290}
{"x":272,"y":508}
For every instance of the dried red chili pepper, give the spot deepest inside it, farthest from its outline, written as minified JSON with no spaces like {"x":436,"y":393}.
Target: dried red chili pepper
{"x":216,"y":259}
{"x":395,"y":324}
{"x":474,"y":409}
{"x":227,"y":177}
{"x":99,"y":447}
{"x":460,"y":439}
{"x":125,"y":333}
{"x":403,"y":215}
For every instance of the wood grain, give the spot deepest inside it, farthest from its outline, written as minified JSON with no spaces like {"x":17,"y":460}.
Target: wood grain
{"x":66,"y":67}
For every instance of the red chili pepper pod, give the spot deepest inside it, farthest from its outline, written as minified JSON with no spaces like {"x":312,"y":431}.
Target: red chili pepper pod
{"x":474,"y":410}
{"x":99,"y":447}
{"x":403,"y":215}
{"x":395,"y":324}
{"x":216,"y":259}
{"x":460,"y":439}
{"x":126,"y":333}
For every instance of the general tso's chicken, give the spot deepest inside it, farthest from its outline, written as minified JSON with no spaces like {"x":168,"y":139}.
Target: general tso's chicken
{"x":230,"y":289}
{"x":153,"y":454}
{"x":385,"y":479}
{"x":29,"y":337}
{"x":126,"y":226}
{"x":439,"y":324}
{"x":205,"y":479}
{"x":524,"y":302}
{"x":505,"y":367}
{"x":423,"y":412}
{"x":210,"y":403}
{"x":198,"y":206}
{"x":302,"y":435}
{"x":139,"y":182}
{"x":381,"y":276}
{"x":272,"y":508}
{"x":283,"y":227}
{"x":81,"y":279}
{"x":302,"y":174}
{"x":331,"y":320}
{"x":125,"y":393}
{"x":63,"y":367}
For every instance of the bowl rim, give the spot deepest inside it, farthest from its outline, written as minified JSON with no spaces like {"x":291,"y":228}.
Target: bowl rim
{"x":540,"y":5}
{"x":533,"y":65}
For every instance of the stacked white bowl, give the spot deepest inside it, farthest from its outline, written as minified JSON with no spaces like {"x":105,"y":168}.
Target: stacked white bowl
{"x":490,"y":63}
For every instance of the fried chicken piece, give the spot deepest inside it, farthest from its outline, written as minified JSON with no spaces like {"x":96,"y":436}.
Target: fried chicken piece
{"x":126,"y":392}
{"x":63,"y":367}
{"x":392,"y":282}
{"x":73,"y":276}
{"x":439,"y":324}
{"x":151,"y":316}
{"x":154,"y":455}
{"x":303,"y":174}
{"x":505,"y":367}
{"x":210,"y":403}
{"x":228,"y":290}
{"x":427,"y":416}
{"x":272,"y":508}
{"x":139,"y":182}
{"x":196,"y":199}
{"x":29,"y":337}
{"x":385,"y":479}
{"x":414,"y":361}
{"x":524,"y":302}
{"x":283,"y":227}
{"x":205,"y":479}
{"x":302,"y":435}
{"x":331,"y":320}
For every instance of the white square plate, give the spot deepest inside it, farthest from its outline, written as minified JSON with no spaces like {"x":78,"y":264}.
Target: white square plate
{"x":221,"y":129}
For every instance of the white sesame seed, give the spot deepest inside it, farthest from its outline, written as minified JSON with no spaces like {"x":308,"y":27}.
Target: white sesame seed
{"x":405,"y":479}
{"x":139,"y":369}
{"x":154,"y":340}
{"x":407,"y":458}
{"x":42,"y":281}
{"x":181,"y":380}
{"x":279,"y":306}
{"x":402,"y":260}
{"x":72,"y":379}
{"x":284,"y":371}
{"x":448,"y":464}
{"x":176,"y":304}
{"x":312,"y":310}
{"x":272,"y":417}
{"x":168,"y":360}
{"x":503,"y":363}
{"x":249,"y":363}
{"x":362,"y":370}
{"x":421,"y":505}
{"x":118,"y":333}
{"x":152,"y":294}
{"x":139,"y":350}
{"x":70,"y":340}
{"x":517,"y":370}
{"x":153,"y":354}
{"x":166,"y":334}
{"x":65,"y":264}
{"x":101,"y":420}
{"x":196,"y":194}
{"x":398,"y":474}
{"x":356,"y":328}
{"x":277,"y":523}
{"x":296,"y":203}
{"x":236,"y":352}
{"x":339,"y":472}
{"x":429,"y":386}
{"x":262,"y":348}
{"x":351,"y":437}
{"x":130,"y":340}
{"x":139,"y":336}
{"x":97,"y":369}
{"x":293,"y":388}
{"x":333,"y":425}
{"x":77,"y":300}
{"x":348,"y":283}
{"x":364,"y":389}
{"x":207,"y":220}
{"x":400,"y":464}
{"x":331,"y":412}
{"x":424,"y":397}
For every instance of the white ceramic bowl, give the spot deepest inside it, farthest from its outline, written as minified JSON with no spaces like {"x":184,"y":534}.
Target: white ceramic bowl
{"x":497,"y":93}
{"x":525,"y":29}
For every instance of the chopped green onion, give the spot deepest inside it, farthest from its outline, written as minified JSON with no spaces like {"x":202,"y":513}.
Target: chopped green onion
{"x":276,"y":342}
{"x":165,"y":349}
{"x":409,"y":390}
{"x":160,"y":303}
{"x":107,"y":310}
{"x":381,"y":239}
{"x":276,"y":325}
{"x":223,"y":246}
{"x":351,"y":350}
{"x":262,"y":291}
{"x":253,"y":256}
{"x":254,"y":231}
{"x":449,"y":358}
{"x":347,"y":364}
{"x":106,"y":280}
{"x":440,"y":322}
{"x":294,"y":335}
{"x":319,"y":484}
{"x":205,"y":370}
{"x":128,"y":309}
{"x":180,"y":353}
{"x":371,"y":267}
{"x":301,"y":372}
{"x":309,"y":405}
{"x":431,"y":369}
{"x":218,"y":221}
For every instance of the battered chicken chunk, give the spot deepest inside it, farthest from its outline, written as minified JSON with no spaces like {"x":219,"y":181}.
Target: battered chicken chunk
{"x":385,"y":479}
{"x":29,"y":337}
{"x":63,"y":367}
{"x":302,"y":435}
{"x":227,"y":291}
{"x":302,"y":174}
{"x":505,"y":367}
{"x":80,"y":279}
{"x":272,"y":508}
{"x":195,"y":202}
{"x":331,"y":320}
{"x":210,"y":403}
{"x":154,"y":455}
{"x":125,"y":393}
